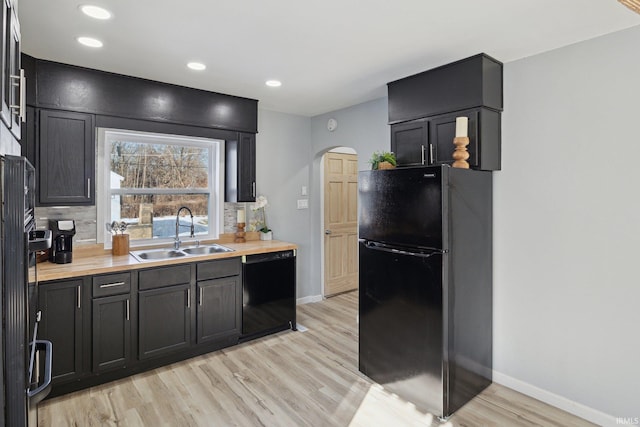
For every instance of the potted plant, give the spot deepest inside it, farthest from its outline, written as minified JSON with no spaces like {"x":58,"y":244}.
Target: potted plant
{"x":382,"y":160}
{"x":259,"y":206}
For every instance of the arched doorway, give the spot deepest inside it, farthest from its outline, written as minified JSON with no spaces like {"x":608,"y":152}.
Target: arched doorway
{"x":340,"y":220}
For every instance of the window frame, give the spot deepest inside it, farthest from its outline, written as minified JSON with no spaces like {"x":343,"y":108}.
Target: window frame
{"x":104,"y":138}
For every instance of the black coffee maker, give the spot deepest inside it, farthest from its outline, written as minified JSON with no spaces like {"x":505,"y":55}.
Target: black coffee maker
{"x":62,"y":232}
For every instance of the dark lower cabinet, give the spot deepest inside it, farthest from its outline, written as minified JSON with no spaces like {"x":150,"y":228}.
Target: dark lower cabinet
{"x":66,"y":158}
{"x":109,"y":326}
{"x":111,"y":329}
{"x":218,"y":314}
{"x":164,"y":320}
{"x":63,"y":315}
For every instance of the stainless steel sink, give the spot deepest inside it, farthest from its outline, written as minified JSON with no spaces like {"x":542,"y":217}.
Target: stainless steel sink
{"x":160,"y":254}
{"x":157,"y":254}
{"x":206,"y":250}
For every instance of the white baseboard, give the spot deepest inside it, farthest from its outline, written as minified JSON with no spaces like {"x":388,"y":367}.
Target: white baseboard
{"x":575,"y":408}
{"x":307,"y":300}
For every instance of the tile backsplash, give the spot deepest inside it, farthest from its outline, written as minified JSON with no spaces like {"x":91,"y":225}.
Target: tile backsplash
{"x":85,"y":218}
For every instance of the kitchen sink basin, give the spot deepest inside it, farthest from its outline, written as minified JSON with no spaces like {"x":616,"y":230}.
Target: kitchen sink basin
{"x":160,"y":254}
{"x":157,"y":254}
{"x":206,"y":250}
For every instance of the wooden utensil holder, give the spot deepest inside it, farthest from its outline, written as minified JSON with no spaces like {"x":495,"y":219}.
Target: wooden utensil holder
{"x":120,"y":244}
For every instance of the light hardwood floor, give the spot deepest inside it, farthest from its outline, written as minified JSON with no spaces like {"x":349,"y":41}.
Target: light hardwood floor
{"x":289,"y":379}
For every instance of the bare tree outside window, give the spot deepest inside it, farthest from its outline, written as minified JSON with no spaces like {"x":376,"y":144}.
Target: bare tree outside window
{"x":150,"y":181}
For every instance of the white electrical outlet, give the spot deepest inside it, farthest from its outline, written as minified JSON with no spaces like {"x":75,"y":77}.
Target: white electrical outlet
{"x":303,"y":192}
{"x":303,"y":204}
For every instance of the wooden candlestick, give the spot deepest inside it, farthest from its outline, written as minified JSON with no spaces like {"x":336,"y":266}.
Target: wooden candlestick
{"x":461,"y":155}
{"x":240,"y":233}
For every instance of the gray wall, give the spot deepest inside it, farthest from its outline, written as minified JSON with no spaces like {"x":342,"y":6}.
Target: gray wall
{"x":282,"y":149}
{"x":362,"y":127}
{"x":566,"y":218}
{"x":567,"y":224}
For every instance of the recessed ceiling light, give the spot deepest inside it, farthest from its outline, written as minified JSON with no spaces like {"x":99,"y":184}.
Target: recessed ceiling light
{"x":95,"y":11}
{"x":273,"y":83}
{"x":196,"y":66}
{"x":88,"y":41}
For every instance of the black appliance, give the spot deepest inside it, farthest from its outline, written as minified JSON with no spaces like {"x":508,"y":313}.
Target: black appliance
{"x":62,"y":232}
{"x":425,"y":316}
{"x":24,"y":357}
{"x":268,"y":293}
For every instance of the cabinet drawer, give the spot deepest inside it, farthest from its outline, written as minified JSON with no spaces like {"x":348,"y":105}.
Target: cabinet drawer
{"x":111,"y":284}
{"x":164,"y":276}
{"x":219,"y":268}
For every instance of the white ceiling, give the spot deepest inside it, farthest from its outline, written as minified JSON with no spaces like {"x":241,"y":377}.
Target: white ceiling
{"x":328,"y":54}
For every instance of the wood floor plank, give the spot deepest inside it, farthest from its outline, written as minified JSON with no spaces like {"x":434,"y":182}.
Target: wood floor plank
{"x":288,"y":379}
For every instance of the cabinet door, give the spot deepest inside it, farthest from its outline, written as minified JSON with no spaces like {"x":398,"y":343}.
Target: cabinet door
{"x":111,"y":332}
{"x":442,"y":130}
{"x":5,"y":84}
{"x":410,"y":143}
{"x":66,"y":158}
{"x":218,"y":308}
{"x":164,"y":317}
{"x":62,"y":320}
{"x":247,"y":168}
{"x":13,"y":69}
{"x":240,"y":164}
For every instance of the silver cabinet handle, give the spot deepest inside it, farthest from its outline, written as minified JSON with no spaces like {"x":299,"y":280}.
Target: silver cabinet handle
{"x":327,"y":232}
{"x":112,"y":285}
{"x":422,"y":146}
{"x":430,"y":153}
{"x":88,"y":188}
{"x":127,"y":309}
{"x":189,"y":298}
{"x":20,"y":82}
{"x":201,"y":289}
{"x":253,"y":189}
{"x":79,"y":296}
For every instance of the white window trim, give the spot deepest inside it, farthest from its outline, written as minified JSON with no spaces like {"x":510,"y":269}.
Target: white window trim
{"x":103,"y":205}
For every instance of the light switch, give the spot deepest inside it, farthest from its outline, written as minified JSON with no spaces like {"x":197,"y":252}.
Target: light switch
{"x":303,"y":204}
{"x":303,"y":192}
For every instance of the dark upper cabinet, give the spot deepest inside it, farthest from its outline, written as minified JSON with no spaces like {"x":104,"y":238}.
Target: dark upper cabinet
{"x":240,"y":164}
{"x":442,"y":131}
{"x":472,"y":82}
{"x":410,"y":143}
{"x":12,"y":87}
{"x":63,"y":312}
{"x":67,"y":87}
{"x":17,"y":91}
{"x":423,"y":110}
{"x":430,"y":141}
{"x":65,"y":158}
{"x":5,"y":84}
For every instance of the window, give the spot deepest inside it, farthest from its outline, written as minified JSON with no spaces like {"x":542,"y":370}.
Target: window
{"x":147,"y":177}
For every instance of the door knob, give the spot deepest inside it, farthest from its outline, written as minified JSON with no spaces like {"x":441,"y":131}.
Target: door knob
{"x":327,"y":232}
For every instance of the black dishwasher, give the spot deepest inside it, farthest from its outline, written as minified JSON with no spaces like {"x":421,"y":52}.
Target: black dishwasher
{"x":268,"y":293}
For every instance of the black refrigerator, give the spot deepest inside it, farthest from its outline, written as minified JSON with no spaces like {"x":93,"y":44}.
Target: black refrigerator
{"x":25,"y":376}
{"x":425,"y":260}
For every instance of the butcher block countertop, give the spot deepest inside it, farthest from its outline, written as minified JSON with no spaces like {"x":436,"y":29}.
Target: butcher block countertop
{"x":91,"y":261}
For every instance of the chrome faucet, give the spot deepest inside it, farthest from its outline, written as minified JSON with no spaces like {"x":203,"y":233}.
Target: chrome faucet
{"x":176,"y":243}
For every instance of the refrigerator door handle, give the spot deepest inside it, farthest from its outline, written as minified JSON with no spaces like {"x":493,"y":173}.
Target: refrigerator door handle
{"x":386,"y":248}
{"x":43,"y":390}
